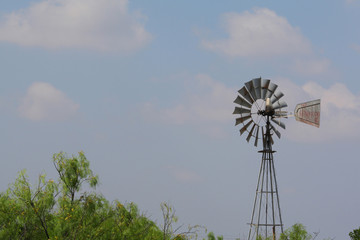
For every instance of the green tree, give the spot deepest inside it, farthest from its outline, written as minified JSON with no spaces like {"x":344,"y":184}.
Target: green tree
{"x":296,"y":232}
{"x":58,"y":210}
{"x":211,"y":236}
{"x":27,"y":212}
{"x":355,"y":234}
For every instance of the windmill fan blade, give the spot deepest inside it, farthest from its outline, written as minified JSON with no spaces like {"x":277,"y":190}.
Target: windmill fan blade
{"x":238,"y":110}
{"x":278,"y":105}
{"x":243,"y":129}
{"x":271,"y":89}
{"x":257,"y":86}
{"x":275,"y":131}
{"x":250,"y":133}
{"x":276,"y":96}
{"x":250,"y":87}
{"x":278,"y":122}
{"x":245,"y":94}
{"x":264,"y":87}
{"x":239,"y":100}
{"x":245,"y":117}
{"x":256,"y":136}
{"x":308,"y":112}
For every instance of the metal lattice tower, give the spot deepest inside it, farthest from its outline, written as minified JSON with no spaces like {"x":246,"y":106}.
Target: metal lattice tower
{"x":266,"y":214}
{"x":259,"y":105}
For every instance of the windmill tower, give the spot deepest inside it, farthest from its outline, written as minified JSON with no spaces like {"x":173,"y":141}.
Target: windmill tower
{"x":259,"y":107}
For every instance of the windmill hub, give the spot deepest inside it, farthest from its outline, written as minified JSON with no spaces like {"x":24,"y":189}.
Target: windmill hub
{"x":269,"y":109}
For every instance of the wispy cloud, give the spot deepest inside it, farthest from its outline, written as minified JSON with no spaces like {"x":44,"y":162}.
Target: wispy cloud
{"x":208,"y":105}
{"x":340,"y":111}
{"x":259,"y":34}
{"x":311,"y":66}
{"x":44,"y":102}
{"x":104,"y":25}
{"x":262,"y":34}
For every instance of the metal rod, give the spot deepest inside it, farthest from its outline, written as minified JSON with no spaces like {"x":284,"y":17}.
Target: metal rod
{"x":278,"y":199}
{"x":267,"y":198}
{"x":257,"y":190}
{"x":272,"y":194}
{"x":262,"y":187}
{"x":270,"y":170}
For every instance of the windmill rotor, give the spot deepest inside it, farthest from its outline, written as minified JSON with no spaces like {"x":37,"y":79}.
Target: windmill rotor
{"x":260,"y":113}
{"x":257,"y":101}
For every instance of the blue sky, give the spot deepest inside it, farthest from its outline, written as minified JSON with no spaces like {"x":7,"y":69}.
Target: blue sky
{"x":146,"y":90}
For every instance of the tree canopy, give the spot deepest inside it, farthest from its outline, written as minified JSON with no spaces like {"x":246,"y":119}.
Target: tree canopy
{"x":355,"y":234}
{"x":56,"y":209}
{"x":60,"y":209}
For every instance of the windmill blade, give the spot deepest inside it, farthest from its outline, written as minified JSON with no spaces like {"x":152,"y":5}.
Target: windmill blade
{"x":238,"y":110}
{"x":250,"y":87}
{"x":243,"y":129}
{"x":242,"y":119}
{"x":242,"y":102}
{"x":308,"y":112}
{"x":256,"y":135}
{"x":281,"y":114}
{"x":245,"y":94}
{"x":250,"y":133}
{"x":264,"y":87}
{"x":257,"y":86}
{"x":278,"y":134}
{"x":278,"y":122}
{"x":278,"y":105}
{"x":271,"y":89}
{"x":276,"y":96}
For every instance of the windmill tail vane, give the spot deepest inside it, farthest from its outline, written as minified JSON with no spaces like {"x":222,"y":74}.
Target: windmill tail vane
{"x":260,"y":106}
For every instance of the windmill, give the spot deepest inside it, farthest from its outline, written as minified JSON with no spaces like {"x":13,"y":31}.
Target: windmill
{"x":260,"y":110}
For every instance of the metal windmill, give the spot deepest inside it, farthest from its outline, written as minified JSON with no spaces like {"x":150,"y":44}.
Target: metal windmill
{"x":259,"y":107}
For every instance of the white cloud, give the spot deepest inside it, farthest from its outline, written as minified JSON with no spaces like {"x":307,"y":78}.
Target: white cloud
{"x":263,"y":34}
{"x":208,"y":106}
{"x":311,"y":66}
{"x":104,"y":25}
{"x":340,"y":111}
{"x":44,"y":102}
{"x":259,"y":34}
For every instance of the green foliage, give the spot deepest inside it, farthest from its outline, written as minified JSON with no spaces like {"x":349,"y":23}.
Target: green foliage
{"x":57,"y":209}
{"x":355,"y":234}
{"x":73,"y":172}
{"x":296,"y":232}
{"x":211,"y":236}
